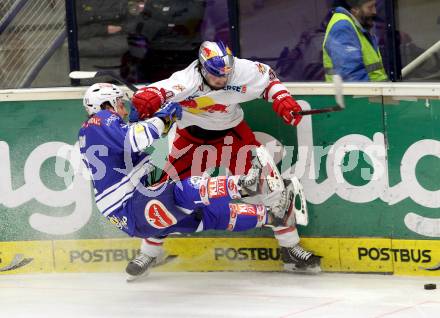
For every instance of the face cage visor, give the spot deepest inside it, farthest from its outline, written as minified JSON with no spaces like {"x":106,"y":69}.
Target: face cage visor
{"x":219,"y":66}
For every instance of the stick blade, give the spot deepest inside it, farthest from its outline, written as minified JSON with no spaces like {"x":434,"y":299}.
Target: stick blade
{"x":339,"y":96}
{"x":82,"y":74}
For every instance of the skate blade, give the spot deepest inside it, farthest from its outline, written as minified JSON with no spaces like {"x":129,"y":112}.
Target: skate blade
{"x":162,"y":261}
{"x":313,"y":270}
{"x":132,"y":279}
{"x":18,"y":261}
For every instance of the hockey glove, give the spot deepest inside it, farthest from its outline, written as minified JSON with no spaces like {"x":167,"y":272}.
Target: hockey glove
{"x":285,"y":106}
{"x":169,"y":113}
{"x":148,"y":100}
{"x":133,"y":117}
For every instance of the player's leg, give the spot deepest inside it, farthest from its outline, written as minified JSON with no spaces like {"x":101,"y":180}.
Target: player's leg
{"x":161,"y":212}
{"x":241,"y":214}
{"x":191,"y":196}
{"x":282,"y":212}
{"x":150,"y":254}
{"x":205,"y":149}
{"x":156,"y":215}
{"x":236,"y":150}
{"x":286,"y":215}
{"x":225,"y":207}
{"x":294,"y":256}
{"x":193,"y":152}
{"x":178,"y":166}
{"x":154,"y":209}
{"x":214,"y":196}
{"x":220,"y":212}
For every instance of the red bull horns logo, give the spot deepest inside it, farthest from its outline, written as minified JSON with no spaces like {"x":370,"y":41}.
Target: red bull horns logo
{"x":209,"y":53}
{"x":202,"y":105}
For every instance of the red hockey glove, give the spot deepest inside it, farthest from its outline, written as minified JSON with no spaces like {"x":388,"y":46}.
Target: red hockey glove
{"x":285,"y":106}
{"x":148,"y":100}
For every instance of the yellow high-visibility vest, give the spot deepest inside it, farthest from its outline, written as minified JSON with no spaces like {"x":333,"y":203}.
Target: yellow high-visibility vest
{"x":371,"y":57}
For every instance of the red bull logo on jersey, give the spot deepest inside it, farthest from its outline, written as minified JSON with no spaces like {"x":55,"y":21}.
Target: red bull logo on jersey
{"x":158,"y":216}
{"x":202,"y":105}
{"x":217,"y":108}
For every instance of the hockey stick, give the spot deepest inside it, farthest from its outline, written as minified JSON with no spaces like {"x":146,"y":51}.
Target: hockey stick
{"x":17,"y":262}
{"x":84,"y":75}
{"x":434,"y":268}
{"x":339,"y":97}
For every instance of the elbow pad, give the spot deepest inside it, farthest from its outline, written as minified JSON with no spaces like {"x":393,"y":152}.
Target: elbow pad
{"x":144,"y":133}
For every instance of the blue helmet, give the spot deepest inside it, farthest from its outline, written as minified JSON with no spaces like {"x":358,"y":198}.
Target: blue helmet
{"x":216,"y":59}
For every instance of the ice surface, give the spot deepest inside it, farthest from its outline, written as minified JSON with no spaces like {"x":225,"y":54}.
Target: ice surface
{"x":208,"y":295}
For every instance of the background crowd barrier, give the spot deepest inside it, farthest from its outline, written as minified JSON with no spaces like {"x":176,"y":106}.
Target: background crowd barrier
{"x":371,"y":175}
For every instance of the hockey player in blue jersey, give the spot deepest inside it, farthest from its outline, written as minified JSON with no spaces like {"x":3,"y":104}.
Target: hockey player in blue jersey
{"x":113,"y":154}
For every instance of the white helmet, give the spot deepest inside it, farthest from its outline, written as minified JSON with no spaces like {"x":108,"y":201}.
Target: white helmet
{"x":99,"y":93}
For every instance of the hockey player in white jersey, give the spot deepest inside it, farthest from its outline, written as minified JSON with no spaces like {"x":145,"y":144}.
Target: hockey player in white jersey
{"x":210,"y":90}
{"x":113,"y":154}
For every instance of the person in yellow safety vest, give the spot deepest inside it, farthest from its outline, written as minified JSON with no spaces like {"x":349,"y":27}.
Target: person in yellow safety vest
{"x":349,"y":49}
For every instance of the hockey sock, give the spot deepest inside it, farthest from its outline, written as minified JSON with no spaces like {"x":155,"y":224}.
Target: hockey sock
{"x":286,"y":236}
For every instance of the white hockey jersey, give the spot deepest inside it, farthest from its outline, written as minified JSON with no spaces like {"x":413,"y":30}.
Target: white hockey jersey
{"x":219,"y":109}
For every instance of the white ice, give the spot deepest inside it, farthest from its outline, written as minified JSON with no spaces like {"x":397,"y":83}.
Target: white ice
{"x":209,"y":295}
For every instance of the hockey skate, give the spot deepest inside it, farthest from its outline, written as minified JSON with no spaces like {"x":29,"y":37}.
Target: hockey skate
{"x":263,"y":183}
{"x":296,"y":259}
{"x":140,"y":267}
{"x":281,"y":213}
{"x":249,"y":183}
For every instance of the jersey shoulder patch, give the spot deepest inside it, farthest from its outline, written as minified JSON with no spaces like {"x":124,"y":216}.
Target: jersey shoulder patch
{"x":92,"y":121}
{"x":262,"y":69}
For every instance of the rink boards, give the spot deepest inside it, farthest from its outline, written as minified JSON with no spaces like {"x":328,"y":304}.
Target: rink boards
{"x":359,"y":255}
{"x":380,"y":214}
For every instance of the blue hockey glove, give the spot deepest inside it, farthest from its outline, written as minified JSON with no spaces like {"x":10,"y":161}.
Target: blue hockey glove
{"x":134,"y":115}
{"x":169,"y":113}
{"x":170,"y":110}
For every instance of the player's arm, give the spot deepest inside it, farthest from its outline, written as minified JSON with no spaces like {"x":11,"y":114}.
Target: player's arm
{"x":143,"y":133}
{"x":264,"y":82}
{"x":148,"y":100}
{"x":282,"y":102}
{"x":286,"y":107}
{"x":178,"y":87}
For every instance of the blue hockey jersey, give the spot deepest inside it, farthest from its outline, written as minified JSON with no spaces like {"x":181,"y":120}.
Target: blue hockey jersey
{"x":112,"y":152}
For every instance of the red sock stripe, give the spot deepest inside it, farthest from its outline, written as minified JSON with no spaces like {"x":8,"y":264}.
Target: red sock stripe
{"x":286,"y":230}
{"x":150,"y":242}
